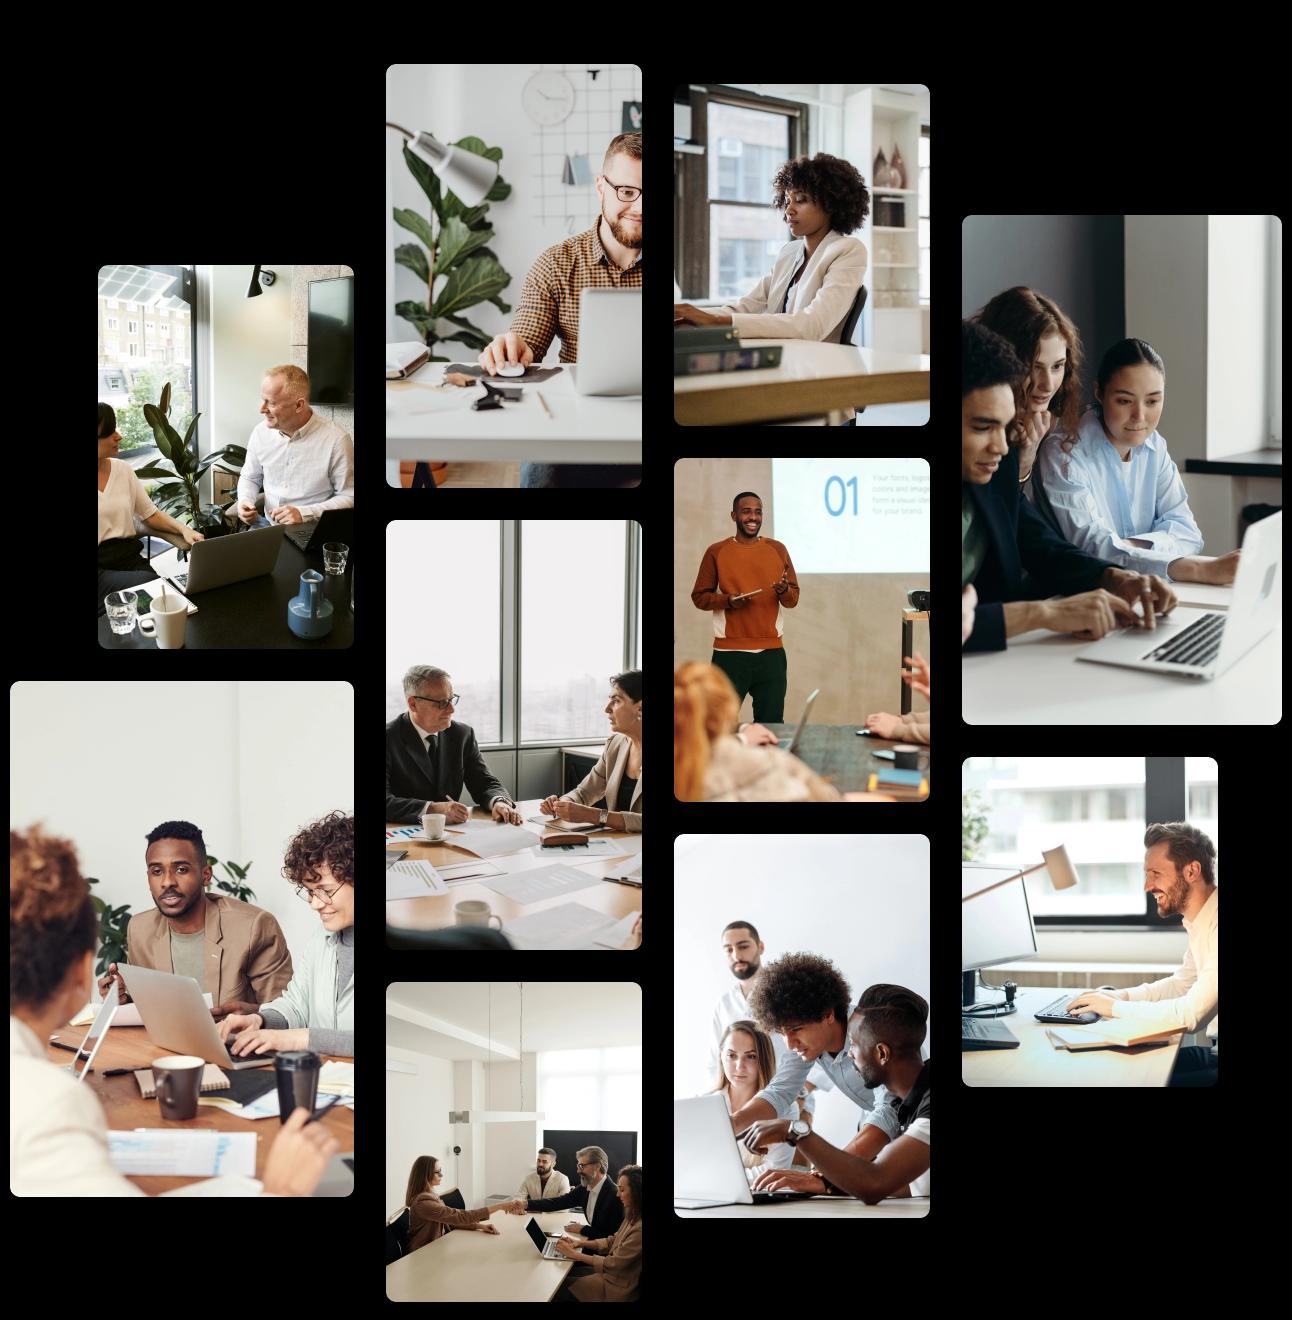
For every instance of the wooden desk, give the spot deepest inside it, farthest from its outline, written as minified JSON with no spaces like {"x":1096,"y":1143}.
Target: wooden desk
{"x":130,"y":1047}
{"x":1036,"y":1062}
{"x":812,"y":379}
{"x":436,"y":912}
{"x":836,"y":753}
{"x":468,"y":1266}
{"x":818,"y":1207}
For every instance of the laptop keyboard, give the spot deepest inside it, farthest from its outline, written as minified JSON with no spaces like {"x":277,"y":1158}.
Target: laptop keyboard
{"x":1198,"y":644}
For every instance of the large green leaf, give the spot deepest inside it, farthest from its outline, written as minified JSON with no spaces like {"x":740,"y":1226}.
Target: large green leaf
{"x":233,"y":454}
{"x":477,"y":147}
{"x":468,"y":333}
{"x":154,"y":472}
{"x":192,"y":426}
{"x":457,"y":242}
{"x":478,"y":279}
{"x":427,"y":179}
{"x":412,"y":256}
{"x":503,"y":307}
{"x":159,"y":429}
{"x":500,"y":190}
{"x":165,"y":399}
{"x":416,"y":224}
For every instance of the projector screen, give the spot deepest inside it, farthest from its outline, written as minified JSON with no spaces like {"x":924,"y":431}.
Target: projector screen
{"x":856,"y":515}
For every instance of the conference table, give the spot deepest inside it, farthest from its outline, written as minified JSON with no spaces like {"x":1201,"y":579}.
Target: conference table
{"x":837,"y":753}
{"x":435,"y":912}
{"x":469,"y":1266}
{"x":126,"y":1109}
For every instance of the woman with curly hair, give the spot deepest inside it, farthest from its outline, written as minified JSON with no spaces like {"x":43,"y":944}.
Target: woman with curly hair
{"x":316,"y":1010}
{"x":819,"y":272}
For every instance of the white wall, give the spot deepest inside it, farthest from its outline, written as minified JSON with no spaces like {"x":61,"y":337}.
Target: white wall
{"x":417,"y":1120}
{"x":1238,"y":275}
{"x":861,"y":900}
{"x":102,"y":763}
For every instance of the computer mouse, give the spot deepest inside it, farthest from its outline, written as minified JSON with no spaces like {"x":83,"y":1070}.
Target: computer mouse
{"x":517,"y":370}
{"x":1085,"y":1017}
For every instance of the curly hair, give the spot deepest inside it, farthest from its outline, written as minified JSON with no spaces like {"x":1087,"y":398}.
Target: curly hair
{"x":798,"y":988}
{"x":52,"y":920}
{"x":833,"y":184}
{"x":986,"y":359}
{"x":1025,"y":317}
{"x":329,"y":840}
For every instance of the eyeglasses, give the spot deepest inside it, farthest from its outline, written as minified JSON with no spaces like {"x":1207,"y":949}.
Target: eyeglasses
{"x":326,"y":894}
{"x":443,"y":705}
{"x":624,"y":193}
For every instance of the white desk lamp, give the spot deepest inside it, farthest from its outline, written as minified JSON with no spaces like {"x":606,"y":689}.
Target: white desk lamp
{"x":467,"y":175}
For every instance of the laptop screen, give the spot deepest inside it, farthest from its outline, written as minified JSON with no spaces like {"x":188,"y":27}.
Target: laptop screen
{"x":536,"y":1234}
{"x":94,"y":1037}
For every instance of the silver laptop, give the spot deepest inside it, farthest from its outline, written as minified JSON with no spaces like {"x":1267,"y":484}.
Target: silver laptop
{"x":546,"y":1245}
{"x":84,"y":1059}
{"x":338,"y":1177}
{"x":225,"y":559}
{"x":792,"y":744}
{"x":1204,"y":643}
{"x":176,"y":1018}
{"x":610,"y":342}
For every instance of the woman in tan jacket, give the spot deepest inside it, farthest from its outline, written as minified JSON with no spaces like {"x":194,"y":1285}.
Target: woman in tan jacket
{"x":428,"y":1216}
{"x":616,"y":1262}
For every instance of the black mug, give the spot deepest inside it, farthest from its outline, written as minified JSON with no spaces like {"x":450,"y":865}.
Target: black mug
{"x":297,"y":1072}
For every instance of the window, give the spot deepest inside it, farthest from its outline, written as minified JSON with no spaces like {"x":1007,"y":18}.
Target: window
{"x":594,"y":1089}
{"x":132,"y":327}
{"x":1200,"y":778}
{"x":568,"y":656}
{"x":150,"y":327}
{"x":923,"y":215}
{"x":470,"y":648}
{"x":112,"y":322}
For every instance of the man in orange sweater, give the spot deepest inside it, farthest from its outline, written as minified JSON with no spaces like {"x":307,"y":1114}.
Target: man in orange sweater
{"x":744,"y":582}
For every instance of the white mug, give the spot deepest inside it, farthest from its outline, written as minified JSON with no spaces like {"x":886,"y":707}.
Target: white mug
{"x":166,"y":618}
{"x":433,"y":825}
{"x":473,"y":912}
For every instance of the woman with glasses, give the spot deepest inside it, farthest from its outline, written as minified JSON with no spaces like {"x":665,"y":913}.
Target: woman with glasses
{"x":316,"y":1010}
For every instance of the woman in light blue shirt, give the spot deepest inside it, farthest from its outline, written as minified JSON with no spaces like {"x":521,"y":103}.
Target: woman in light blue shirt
{"x":1113,"y":490}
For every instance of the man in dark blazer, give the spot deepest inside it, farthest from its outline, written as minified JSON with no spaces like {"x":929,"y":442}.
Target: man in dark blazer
{"x":595,"y":1187}
{"x":429,"y":757}
{"x":1009,"y":554}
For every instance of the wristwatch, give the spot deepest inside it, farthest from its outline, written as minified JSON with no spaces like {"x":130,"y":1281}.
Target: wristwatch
{"x":798,"y":1130}
{"x":605,"y":816}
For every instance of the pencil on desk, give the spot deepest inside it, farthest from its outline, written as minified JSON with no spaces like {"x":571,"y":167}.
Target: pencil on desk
{"x":543,"y":401}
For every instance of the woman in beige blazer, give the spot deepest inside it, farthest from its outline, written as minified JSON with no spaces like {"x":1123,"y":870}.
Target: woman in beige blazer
{"x":617,"y":775}
{"x":616,"y":1262}
{"x":429,"y":1217}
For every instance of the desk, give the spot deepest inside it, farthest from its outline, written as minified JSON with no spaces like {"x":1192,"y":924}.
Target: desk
{"x":1254,"y":463}
{"x":436,"y":912}
{"x":1037,"y":679}
{"x":818,"y":1207}
{"x":131,"y":1047}
{"x":468,"y":1266}
{"x":253,"y":614}
{"x":1036,"y":1062}
{"x":425,"y":426}
{"x":812,"y":379}
{"x":836,"y":753}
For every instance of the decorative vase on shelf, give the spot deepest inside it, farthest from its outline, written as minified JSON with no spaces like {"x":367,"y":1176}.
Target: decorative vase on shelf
{"x":880,"y":174}
{"x":898,"y":169}
{"x":309,"y":612}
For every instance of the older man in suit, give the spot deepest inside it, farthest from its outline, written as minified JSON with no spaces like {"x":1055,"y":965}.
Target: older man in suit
{"x":429,"y":757}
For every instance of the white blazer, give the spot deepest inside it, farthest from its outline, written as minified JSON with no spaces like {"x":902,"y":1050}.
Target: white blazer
{"x":557,"y":1185}
{"x":820,"y":301}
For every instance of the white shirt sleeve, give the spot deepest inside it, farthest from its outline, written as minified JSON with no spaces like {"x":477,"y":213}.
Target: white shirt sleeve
{"x":252,"y":475}
{"x":341,"y":475}
{"x":1185,"y":1001}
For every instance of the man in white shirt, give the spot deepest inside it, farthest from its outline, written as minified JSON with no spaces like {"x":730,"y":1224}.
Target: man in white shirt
{"x":304,"y":461}
{"x":1180,"y":871}
{"x":546,"y":1180}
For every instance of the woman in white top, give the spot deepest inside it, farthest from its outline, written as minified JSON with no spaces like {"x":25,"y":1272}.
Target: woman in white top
{"x":748,"y":1061}
{"x":122,"y":499}
{"x":58,"y":1135}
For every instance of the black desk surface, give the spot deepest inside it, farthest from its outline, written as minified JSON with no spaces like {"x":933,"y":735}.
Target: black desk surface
{"x":1254,"y":463}
{"x":836,"y":753}
{"x":253,"y":614}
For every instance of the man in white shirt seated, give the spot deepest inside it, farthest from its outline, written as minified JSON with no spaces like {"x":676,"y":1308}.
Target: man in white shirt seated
{"x":304,"y":462}
{"x":546,"y":1180}
{"x":1180,"y":871}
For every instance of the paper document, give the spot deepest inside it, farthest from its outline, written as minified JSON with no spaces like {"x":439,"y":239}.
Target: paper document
{"x":600,"y":848}
{"x":468,"y":871}
{"x":567,"y":926}
{"x":494,"y":840}
{"x":413,"y":880}
{"x":127,"y":1015}
{"x":541,"y":882}
{"x":182,"y":1153}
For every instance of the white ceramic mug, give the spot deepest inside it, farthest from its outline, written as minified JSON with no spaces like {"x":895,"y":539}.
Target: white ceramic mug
{"x":433,"y":825}
{"x":166,"y":619}
{"x":474,"y":912}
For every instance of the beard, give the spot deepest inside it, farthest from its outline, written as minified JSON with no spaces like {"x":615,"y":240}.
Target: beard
{"x":744,"y":973}
{"x":1175,"y":896}
{"x":181,"y":912}
{"x":630,"y":238}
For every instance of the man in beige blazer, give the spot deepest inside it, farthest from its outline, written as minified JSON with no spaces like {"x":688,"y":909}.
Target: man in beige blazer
{"x":546,"y":1180}
{"x":236,"y":951}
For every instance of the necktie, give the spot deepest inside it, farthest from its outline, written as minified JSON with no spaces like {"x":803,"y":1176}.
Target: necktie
{"x":432,"y":752}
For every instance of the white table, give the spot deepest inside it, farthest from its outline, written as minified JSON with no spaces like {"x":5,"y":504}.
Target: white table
{"x":1037,"y":679}
{"x":818,"y":1207}
{"x":1036,"y":1062}
{"x":812,"y":379}
{"x":423,"y":425}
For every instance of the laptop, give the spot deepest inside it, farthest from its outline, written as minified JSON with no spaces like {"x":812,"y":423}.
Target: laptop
{"x":84,"y":1059}
{"x":610,"y":342}
{"x":546,"y":1244}
{"x":1205,"y":643}
{"x":225,"y":559}
{"x":792,"y":744}
{"x":985,"y":1034}
{"x":338,"y":1177}
{"x":176,"y":1018}
{"x":333,"y":525}
{"x":707,"y":1168}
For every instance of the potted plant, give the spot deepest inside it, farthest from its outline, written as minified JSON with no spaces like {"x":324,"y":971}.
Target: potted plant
{"x":179,"y":496}
{"x":453,"y":250}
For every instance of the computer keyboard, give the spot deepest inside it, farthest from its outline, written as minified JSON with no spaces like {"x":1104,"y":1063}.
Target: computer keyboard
{"x":1057,"y":1011}
{"x":1198,"y":644}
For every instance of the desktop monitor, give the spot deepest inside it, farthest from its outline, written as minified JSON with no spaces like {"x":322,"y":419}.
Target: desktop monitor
{"x":330,"y":347}
{"x":996,"y":926}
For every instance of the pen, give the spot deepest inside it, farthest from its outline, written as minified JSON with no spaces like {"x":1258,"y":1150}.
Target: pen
{"x":318,"y":1113}
{"x":543,"y":401}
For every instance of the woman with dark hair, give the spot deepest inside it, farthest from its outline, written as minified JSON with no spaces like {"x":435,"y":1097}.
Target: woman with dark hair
{"x":122,"y":499}
{"x":819,"y":273}
{"x":616,"y":778}
{"x":429,"y":1217}
{"x":58,"y":1141}
{"x":1112,"y":489}
{"x":612,"y":1266}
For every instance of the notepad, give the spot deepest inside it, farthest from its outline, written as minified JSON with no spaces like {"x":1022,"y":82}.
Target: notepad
{"x":182,"y":1152}
{"x":541,"y":882}
{"x":1107,"y":1033}
{"x":212,"y":1080}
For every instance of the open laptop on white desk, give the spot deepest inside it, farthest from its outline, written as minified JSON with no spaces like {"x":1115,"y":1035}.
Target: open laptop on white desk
{"x":610,"y":342}
{"x":1205,"y":643}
